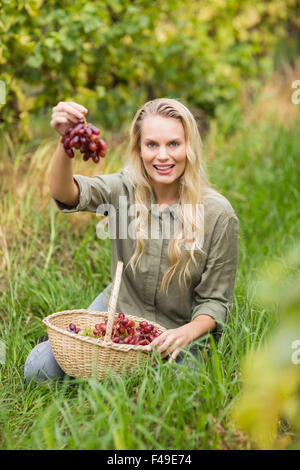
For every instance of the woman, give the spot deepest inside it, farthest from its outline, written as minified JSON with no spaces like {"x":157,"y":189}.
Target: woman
{"x":177,"y":236}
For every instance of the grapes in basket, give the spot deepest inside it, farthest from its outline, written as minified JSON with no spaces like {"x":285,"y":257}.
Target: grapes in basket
{"x":84,"y":137}
{"x":125,"y":331}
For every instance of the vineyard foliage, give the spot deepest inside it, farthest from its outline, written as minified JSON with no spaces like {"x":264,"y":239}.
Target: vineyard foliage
{"x":113,"y":55}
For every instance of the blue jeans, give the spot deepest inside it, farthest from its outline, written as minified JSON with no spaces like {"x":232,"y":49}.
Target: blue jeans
{"x":41,"y":366}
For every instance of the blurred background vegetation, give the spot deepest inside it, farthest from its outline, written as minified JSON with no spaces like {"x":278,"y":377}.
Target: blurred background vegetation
{"x":271,"y":377}
{"x":233,"y":64}
{"x":113,"y":55}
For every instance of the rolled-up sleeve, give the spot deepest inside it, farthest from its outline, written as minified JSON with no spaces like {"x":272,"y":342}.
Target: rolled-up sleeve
{"x":213,"y":295}
{"x":93,"y":191}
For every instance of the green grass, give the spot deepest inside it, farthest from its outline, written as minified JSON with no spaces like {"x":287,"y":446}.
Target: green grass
{"x":54,"y":262}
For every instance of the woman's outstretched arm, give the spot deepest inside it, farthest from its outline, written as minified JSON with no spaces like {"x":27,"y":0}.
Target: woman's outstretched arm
{"x":62,"y":185}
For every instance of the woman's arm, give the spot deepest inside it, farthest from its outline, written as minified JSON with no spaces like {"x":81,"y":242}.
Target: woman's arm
{"x":214,"y":294}
{"x":74,"y":193}
{"x":62,"y":185}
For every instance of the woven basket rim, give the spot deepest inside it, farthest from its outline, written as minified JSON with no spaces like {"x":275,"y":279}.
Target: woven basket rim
{"x":109,"y":344}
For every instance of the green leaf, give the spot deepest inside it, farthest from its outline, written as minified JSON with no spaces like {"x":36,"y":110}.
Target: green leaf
{"x":34,"y":61}
{"x":101,"y":91}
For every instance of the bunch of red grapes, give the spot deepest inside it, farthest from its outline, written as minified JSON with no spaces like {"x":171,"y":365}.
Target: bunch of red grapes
{"x":124,"y":331}
{"x":84,"y":137}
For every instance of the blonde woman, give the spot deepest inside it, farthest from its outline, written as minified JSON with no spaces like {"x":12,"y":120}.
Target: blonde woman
{"x":176,"y":235}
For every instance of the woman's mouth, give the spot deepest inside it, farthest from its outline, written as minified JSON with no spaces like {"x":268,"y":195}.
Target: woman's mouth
{"x":164,"y":169}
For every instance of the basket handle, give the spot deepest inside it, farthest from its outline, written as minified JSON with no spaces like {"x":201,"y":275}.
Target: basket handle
{"x":113,"y":300}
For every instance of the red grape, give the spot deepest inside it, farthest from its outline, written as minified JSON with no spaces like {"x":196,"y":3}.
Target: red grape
{"x":148,"y":328}
{"x":103,"y":144}
{"x":69,"y":152}
{"x":84,"y":137}
{"x":93,"y":146}
{"x":123,"y":331}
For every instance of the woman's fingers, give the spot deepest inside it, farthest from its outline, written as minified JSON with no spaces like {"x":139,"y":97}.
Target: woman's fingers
{"x":156,"y":342}
{"x":59,"y":120}
{"x":169,"y":349}
{"x":63,"y":105}
{"x":174,"y":355}
{"x":169,"y":346}
{"x":172,"y":352}
{"x":66,"y":108}
{"x":79,"y":107}
{"x":170,"y":343}
{"x":70,"y":107}
{"x":165,"y":354}
{"x":164,"y":341}
{"x":66,"y":115}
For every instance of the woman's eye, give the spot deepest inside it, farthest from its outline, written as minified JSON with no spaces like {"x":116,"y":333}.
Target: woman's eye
{"x":153,"y":144}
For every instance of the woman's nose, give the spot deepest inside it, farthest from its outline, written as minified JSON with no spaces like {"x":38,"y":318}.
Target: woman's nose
{"x":163,"y":152}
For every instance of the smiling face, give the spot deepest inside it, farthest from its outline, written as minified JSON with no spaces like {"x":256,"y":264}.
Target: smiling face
{"x":163,"y":151}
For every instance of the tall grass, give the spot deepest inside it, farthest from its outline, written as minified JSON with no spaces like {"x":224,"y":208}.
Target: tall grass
{"x":53,"y":261}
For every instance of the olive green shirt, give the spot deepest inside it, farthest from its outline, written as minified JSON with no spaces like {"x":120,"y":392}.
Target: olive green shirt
{"x":213,"y":278}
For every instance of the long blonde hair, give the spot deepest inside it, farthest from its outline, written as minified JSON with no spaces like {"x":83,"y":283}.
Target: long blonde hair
{"x":192,"y":185}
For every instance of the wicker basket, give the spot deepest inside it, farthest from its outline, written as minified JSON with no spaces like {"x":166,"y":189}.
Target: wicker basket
{"x":83,"y":356}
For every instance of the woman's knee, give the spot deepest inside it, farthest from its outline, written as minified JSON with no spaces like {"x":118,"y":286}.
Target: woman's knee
{"x":41,"y":366}
{"x":191,"y":356}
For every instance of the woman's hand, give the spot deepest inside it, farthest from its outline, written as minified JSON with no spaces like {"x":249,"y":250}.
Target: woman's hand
{"x":65,"y":114}
{"x":172,"y":341}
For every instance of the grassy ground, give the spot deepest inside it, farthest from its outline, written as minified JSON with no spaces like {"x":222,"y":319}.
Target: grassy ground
{"x":53,"y":261}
